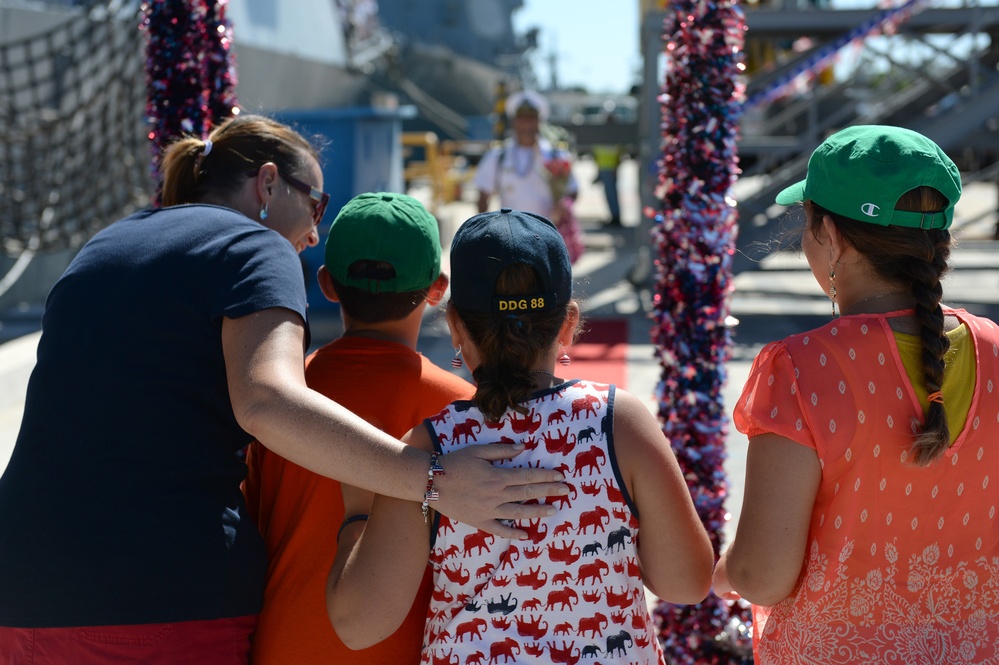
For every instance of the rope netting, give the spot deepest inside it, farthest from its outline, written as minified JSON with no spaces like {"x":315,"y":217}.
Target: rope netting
{"x":73,"y":148}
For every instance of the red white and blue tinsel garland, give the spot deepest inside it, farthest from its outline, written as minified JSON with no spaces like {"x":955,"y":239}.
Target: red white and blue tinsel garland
{"x":190,"y":70}
{"x":695,"y":231}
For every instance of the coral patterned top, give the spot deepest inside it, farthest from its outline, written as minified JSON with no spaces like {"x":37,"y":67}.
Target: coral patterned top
{"x":902,"y":563}
{"x":573,"y":590}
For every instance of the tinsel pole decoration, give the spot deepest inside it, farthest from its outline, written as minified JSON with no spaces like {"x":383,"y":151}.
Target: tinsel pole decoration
{"x":694,"y":232}
{"x":190,"y":70}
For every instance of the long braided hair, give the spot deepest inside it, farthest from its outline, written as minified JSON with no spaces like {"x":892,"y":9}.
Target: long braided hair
{"x":913,"y":259}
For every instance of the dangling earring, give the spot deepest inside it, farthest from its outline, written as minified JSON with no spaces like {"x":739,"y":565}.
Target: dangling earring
{"x":832,"y":289}
{"x":563,"y":359}
{"x":456,"y":361}
{"x":263,"y":212}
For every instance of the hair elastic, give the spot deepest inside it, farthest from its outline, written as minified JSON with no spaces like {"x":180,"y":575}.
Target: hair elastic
{"x":360,"y":517}
{"x":200,"y":159}
{"x":519,"y":321}
{"x":935,"y":397}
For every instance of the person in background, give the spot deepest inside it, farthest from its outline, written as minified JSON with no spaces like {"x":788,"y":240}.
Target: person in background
{"x":576,"y":587}
{"x":174,"y":338}
{"x":383,"y":266}
{"x":526,"y":172}
{"x":607,"y":157}
{"x":868,"y":531}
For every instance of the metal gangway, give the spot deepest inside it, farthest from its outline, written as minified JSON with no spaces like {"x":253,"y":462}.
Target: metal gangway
{"x":936,"y":73}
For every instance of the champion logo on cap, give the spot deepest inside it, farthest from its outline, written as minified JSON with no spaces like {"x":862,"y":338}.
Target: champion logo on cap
{"x":865,"y":163}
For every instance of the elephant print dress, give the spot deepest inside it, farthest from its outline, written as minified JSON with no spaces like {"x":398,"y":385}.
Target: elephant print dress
{"x":572,"y":590}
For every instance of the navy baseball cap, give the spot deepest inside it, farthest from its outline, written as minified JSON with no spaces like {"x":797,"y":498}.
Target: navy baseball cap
{"x":489,"y":242}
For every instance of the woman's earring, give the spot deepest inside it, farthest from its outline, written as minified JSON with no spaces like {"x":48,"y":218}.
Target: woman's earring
{"x":832,"y":289}
{"x":263,"y":212}
{"x":563,"y":359}
{"x":456,"y":361}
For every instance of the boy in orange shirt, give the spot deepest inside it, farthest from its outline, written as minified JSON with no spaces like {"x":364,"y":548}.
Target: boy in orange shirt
{"x":382,"y":265}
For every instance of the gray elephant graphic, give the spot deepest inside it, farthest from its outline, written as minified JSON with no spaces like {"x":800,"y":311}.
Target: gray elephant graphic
{"x":616,"y":642}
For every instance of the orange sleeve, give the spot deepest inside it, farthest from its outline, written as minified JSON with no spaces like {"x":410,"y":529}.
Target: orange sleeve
{"x":770,"y":400}
{"x":251,"y":485}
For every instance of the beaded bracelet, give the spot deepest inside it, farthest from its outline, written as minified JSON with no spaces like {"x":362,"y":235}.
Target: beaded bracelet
{"x":432,"y":494}
{"x":360,"y":517}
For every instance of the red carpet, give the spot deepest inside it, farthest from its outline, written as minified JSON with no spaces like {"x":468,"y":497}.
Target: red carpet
{"x":600,"y":354}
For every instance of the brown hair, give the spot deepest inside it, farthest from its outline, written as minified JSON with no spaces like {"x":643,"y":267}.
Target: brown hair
{"x":376,"y":307}
{"x":510,"y":345}
{"x":914,"y":259}
{"x":239,"y":146}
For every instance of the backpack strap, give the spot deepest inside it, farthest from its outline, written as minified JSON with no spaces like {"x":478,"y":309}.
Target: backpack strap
{"x":504,"y":157}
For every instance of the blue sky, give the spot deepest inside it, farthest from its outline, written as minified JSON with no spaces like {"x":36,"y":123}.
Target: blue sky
{"x":596,"y":41}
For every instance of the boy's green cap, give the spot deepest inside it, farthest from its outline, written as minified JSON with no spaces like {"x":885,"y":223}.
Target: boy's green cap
{"x":389,"y":227}
{"x":861,"y":172}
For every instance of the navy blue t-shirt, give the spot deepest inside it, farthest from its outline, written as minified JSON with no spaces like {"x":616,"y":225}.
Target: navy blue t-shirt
{"x":121,"y":502}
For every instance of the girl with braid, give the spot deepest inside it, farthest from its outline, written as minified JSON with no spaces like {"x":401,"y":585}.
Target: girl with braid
{"x":868,"y":532}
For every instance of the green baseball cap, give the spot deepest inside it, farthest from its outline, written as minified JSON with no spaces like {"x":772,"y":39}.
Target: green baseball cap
{"x":861,"y":172}
{"x":388,"y":227}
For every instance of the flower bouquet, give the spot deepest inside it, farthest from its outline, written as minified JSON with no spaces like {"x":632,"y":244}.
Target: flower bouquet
{"x":557,"y":171}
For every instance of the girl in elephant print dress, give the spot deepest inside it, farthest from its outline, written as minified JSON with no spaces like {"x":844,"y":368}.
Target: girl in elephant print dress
{"x":573,"y":587}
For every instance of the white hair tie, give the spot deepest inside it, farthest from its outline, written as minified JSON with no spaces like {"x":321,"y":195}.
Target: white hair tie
{"x":207,"y":149}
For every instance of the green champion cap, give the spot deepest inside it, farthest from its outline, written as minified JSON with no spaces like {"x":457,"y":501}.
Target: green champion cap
{"x":389,"y":227}
{"x":861,"y":172}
